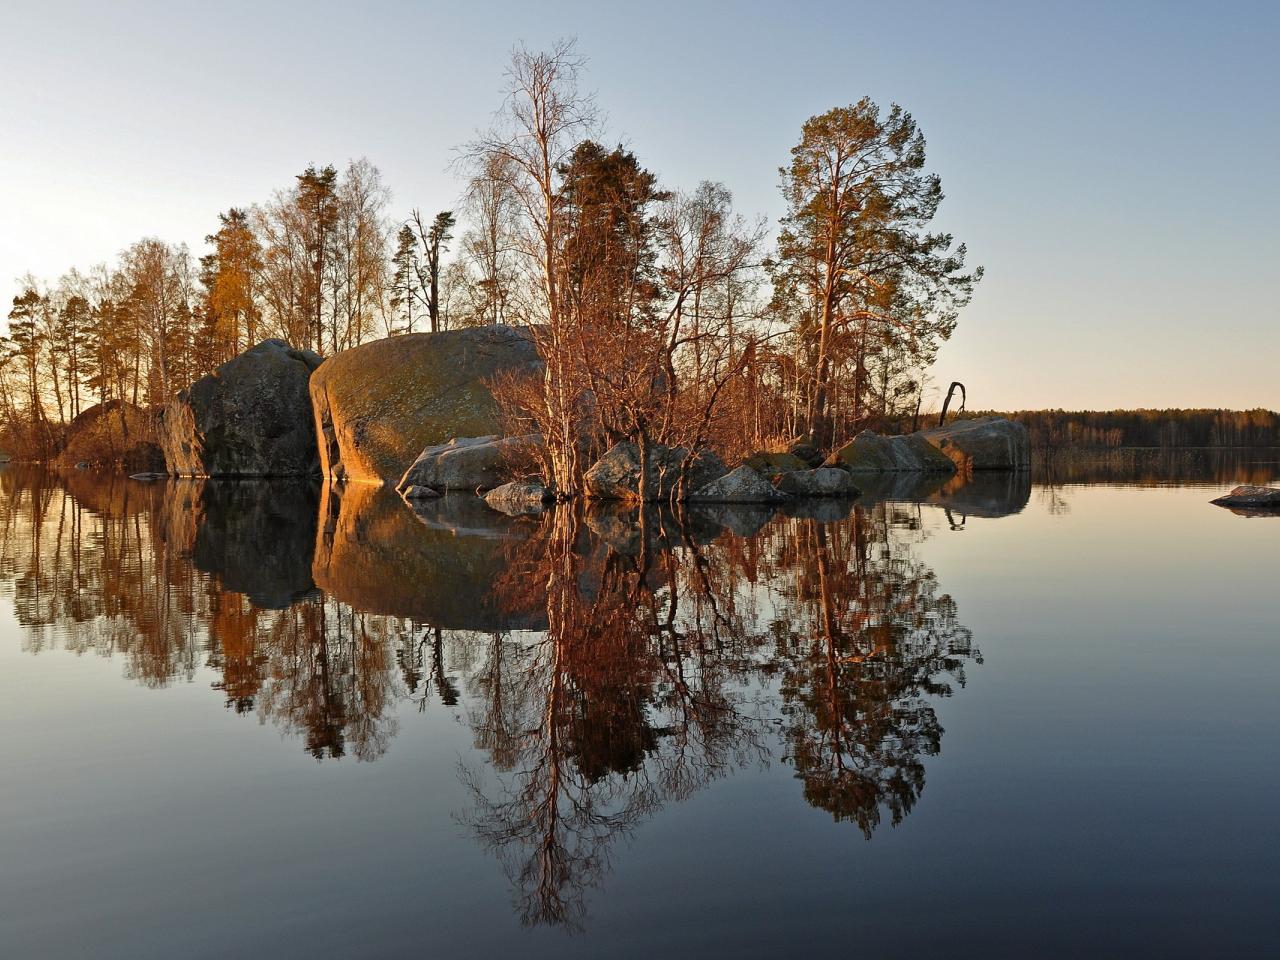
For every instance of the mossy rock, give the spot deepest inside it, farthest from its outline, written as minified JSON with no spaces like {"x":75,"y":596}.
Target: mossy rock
{"x":771,"y":464}
{"x":379,"y":405}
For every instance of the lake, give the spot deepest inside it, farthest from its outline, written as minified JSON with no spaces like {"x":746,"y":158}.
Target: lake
{"x":1019,"y":716}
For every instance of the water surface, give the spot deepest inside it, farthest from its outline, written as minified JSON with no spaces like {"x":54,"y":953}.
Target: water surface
{"x":971,"y":719}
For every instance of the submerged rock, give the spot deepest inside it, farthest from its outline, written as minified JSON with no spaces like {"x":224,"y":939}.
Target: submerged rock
{"x":742,"y":485}
{"x":472,"y":463}
{"x":1251,"y":497}
{"x":250,"y":417}
{"x":869,"y":452}
{"x":986,"y":443}
{"x":378,"y":405}
{"x":819,"y":482}
{"x":616,"y":475}
{"x":519,"y":497}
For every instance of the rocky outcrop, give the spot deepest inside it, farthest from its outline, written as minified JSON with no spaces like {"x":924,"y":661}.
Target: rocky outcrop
{"x":986,"y":443}
{"x":378,"y":405}
{"x":519,"y":498}
{"x":472,"y":463}
{"x":1251,"y":497}
{"x":616,"y":475}
{"x":250,"y":417}
{"x":819,"y":482}
{"x":869,"y":452}
{"x":742,"y":485}
{"x":115,"y":432}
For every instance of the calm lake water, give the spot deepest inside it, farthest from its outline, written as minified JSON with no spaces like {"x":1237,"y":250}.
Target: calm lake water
{"x":1001,"y":719}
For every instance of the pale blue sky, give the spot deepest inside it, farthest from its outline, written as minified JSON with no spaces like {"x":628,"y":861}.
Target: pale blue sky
{"x":1110,"y":164}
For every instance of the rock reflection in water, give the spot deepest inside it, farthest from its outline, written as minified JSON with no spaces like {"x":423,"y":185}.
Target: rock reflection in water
{"x":608,"y":662}
{"x":434,"y":563}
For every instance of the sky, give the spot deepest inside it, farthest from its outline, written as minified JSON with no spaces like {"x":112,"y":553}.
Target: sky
{"x":1110,"y":165}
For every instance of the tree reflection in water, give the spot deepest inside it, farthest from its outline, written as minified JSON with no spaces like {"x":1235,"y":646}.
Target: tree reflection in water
{"x":607,"y":662}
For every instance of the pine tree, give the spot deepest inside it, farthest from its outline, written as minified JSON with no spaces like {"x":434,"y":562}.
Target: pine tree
{"x":404,"y":279}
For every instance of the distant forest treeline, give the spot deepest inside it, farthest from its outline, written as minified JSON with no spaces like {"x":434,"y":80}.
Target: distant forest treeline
{"x":1060,"y":429}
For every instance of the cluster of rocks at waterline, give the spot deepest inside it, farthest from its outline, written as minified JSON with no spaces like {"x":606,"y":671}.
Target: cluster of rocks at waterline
{"x":379,"y":406}
{"x":250,"y":417}
{"x":616,"y":475}
{"x":1252,"y":500}
{"x":416,"y":412}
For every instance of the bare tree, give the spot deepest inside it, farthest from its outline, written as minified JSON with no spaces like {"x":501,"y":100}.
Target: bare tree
{"x":544,"y":116}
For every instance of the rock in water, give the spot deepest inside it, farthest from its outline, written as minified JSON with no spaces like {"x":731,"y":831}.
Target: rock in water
{"x":742,"y":485}
{"x":378,"y":405}
{"x":616,"y":475}
{"x":519,"y":497}
{"x":472,"y":463}
{"x":1247,"y":495}
{"x":250,"y":417}
{"x":869,"y":452}
{"x":820,"y":482}
{"x":987,"y":443}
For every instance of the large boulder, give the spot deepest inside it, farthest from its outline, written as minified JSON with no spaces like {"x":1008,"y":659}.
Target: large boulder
{"x":818,"y":482}
{"x":250,"y":417}
{"x":985,"y":443}
{"x":742,"y":485}
{"x":378,"y":405}
{"x":472,"y":463}
{"x":1251,"y":497}
{"x":115,"y":432}
{"x":869,"y":452}
{"x":616,"y":475}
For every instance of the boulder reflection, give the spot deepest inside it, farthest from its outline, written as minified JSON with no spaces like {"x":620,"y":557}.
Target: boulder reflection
{"x":608,"y":662}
